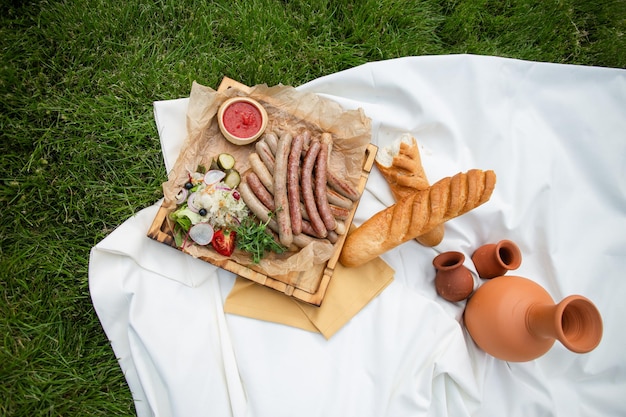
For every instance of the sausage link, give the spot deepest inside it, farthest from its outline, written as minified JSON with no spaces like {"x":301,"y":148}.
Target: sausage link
{"x":260,"y":191}
{"x":254,"y":204}
{"x":272,"y":141}
{"x":293,"y":184}
{"x":266,"y":155}
{"x":319,"y":188}
{"x":281,"y":200}
{"x":305,"y":215}
{"x":307,"y":190}
{"x":261,"y":171}
{"x":263,"y":214}
{"x":341,"y":228}
{"x":332,"y":236}
{"x":302,"y":240}
{"x":337,"y":199}
{"x":307,"y":230}
{"x":342,"y":187}
{"x":339,"y":213}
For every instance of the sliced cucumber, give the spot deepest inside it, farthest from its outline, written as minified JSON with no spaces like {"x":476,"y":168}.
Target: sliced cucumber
{"x":225,"y":161}
{"x":232,"y":178}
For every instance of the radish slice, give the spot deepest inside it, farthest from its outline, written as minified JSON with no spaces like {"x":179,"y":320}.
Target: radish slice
{"x":182,"y":196}
{"x":213,"y":176}
{"x":190,"y":203}
{"x":201,"y":233}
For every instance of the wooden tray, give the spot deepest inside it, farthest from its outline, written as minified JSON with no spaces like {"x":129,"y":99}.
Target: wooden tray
{"x":309,"y":286}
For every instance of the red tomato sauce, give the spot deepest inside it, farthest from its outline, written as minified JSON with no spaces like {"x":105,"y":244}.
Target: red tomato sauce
{"x":242,"y":119}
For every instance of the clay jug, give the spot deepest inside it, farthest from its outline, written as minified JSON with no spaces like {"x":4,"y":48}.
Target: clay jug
{"x":515,"y":319}
{"x":453,"y":281}
{"x":495,"y":259}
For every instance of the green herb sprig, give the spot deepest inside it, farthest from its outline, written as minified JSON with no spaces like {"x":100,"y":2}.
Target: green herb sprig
{"x":254,"y":238}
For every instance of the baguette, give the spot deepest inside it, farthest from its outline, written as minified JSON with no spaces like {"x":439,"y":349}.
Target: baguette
{"x":401,"y":166}
{"x":417,"y":214}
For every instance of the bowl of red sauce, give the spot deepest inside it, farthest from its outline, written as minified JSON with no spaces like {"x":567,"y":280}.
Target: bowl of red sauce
{"x":242,"y":120}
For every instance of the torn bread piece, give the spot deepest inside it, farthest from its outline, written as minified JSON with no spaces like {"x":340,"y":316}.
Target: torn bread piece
{"x":401,"y":166}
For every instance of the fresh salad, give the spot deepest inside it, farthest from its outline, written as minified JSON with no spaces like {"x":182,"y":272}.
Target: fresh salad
{"x":210,"y":211}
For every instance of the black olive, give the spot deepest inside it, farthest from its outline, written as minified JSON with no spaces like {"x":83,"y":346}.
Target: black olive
{"x":202,"y":212}
{"x":188,"y":185}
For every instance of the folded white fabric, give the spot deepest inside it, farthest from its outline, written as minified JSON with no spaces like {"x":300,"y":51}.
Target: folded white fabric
{"x":554,"y":136}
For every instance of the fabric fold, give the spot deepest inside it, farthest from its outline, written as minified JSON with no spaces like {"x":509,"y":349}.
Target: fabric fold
{"x":349,"y":290}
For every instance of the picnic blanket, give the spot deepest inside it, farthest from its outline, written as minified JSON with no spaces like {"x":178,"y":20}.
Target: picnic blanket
{"x":556,"y":137}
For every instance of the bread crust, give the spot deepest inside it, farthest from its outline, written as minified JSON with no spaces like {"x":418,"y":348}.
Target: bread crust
{"x":417,"y":214}
{"x":405,"y":175}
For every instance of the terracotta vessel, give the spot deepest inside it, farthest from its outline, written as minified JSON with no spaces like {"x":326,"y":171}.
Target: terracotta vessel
{"x":453,"y":280}
{"x":495,"y":259}
{"x":515,"y":319}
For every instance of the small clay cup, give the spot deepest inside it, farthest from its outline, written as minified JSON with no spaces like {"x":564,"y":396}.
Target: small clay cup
{"x":453,"y":281}
{"x":495,"y":259}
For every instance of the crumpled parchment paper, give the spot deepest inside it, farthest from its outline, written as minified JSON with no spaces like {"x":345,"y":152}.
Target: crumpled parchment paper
{"x":290,"y":111}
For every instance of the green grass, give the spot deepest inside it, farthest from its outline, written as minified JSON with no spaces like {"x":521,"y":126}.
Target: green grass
{"x":80,"y":151}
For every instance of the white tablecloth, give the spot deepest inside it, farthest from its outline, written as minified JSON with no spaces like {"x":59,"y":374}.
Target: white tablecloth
{"x":556,"y":137}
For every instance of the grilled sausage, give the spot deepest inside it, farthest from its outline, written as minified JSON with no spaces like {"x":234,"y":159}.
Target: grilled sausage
{"x":319,"y":187}
{"x":293,"y":184}
{"x":342,"y":187}
{"x":307,"y":189}
{"x":266,"y":155}
{"x":281,"y":200}
{"x":254,"y":204}
{"x":263,"y":213}
{"x":307,"y":229}
{"x":261,"y":171}
{"x":272,"y":141}
{"x":337,"y":199}
{"x":260,"y":191}
{"x":339,"y":213}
